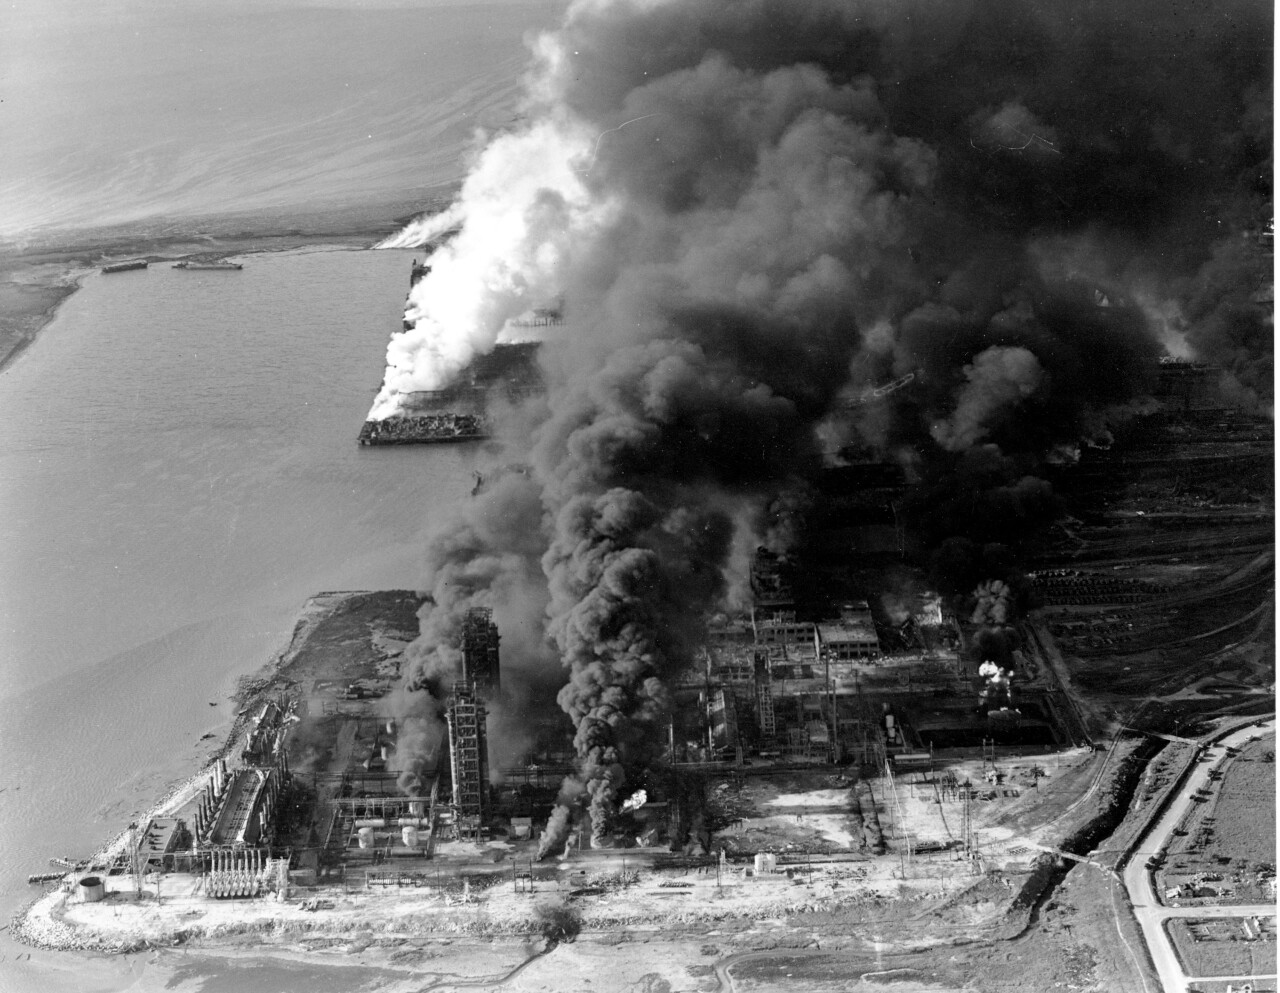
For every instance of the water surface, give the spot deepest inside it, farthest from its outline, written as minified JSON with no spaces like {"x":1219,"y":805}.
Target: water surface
{"x":178,"y":473}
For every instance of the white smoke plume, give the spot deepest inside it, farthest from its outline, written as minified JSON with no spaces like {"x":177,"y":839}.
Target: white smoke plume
{"x":521,"y":210}
{"x":998,"y":688}
{"x":991,"y":603}
{"x":996,"y":381}
{"x":735,"y":201}
{"x":425,"y":229}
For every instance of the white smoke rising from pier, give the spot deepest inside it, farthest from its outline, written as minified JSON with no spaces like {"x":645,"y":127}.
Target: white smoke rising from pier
{"x":736,"y":202}
{"x":521,"y":209}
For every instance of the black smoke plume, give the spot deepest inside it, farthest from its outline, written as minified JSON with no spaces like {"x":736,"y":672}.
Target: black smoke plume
{"x":769,"y":207}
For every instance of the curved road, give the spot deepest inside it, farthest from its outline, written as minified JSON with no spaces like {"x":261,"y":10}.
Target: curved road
{"x":1140,"y":883}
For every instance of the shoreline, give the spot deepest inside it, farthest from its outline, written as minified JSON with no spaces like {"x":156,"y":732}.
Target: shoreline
{"x":39,"y":274}
{"x":19,"y":325}
{"x":59,"y":275}
{"x":50,"y":932}
{"x":481,"y":933}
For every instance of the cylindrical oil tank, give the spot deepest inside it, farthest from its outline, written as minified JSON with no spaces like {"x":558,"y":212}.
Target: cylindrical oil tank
{"x":386,"y":750}
{"x":391,"y":727}
{"x":766,"y":863}
{"x":365,"y":835}
{"x":410,"y":835}
{"x":92,"y":889}
{"x":371,"y":822}
{"x":414,"y":821}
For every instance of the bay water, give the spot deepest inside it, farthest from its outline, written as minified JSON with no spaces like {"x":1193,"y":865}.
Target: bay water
{"x":178,"y":473}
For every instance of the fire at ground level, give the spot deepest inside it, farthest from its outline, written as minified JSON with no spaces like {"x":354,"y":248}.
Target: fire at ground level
{"x":779,"y":854}
{"x":889,"y":780}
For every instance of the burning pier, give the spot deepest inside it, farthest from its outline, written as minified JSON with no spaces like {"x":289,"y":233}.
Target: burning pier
{"x":458,"y":412}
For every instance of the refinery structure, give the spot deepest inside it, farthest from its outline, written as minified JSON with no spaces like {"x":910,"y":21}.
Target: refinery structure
{"x":895,"y":689}
{"x":868,"y":577}
{"x":848,"y":724}
{"x":844,"y":663}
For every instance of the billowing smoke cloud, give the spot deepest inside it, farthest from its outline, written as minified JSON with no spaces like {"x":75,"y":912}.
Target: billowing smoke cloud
{"x":991,"y":603}
{"x":522,"y":209}
{"x":998,"y":379}
{"x":739,"y":204}
{"x":486,"y":555}
{"x":1231,"y":316}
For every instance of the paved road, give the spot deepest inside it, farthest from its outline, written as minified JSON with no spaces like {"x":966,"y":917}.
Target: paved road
{"x":1140,"y":883}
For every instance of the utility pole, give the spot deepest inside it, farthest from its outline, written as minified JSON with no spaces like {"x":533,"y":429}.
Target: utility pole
{"x":905,"y":852}
{"x":135,"y":867}
{"x":835,"y":712}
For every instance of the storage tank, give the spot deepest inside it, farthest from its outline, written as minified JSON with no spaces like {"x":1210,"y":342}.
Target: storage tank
{"x":365,"y":834}
{"x":371,"y":822}
{"x":391,"y":727}
{"x":415,"y":821}
{"x":766,"y":863}
{"x":386,"y":751}
{"x":92,"y":889}
{"x":410,"y":835}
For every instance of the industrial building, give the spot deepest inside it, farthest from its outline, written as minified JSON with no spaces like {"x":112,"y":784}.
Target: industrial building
{"x":852,"y":635}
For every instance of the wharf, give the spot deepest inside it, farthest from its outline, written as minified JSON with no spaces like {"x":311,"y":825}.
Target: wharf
{"x":423,"y":430}
{"x":460,"y":411}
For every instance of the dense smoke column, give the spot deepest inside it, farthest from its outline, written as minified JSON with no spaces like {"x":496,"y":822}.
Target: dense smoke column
{"x":486,"y":554}
{"x":753,"y":198}
{"x":754,"y":209}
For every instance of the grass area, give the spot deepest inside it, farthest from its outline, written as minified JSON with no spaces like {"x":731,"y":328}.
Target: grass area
{"x":1225,"y":849}
{"x":1245,"y":806}
{"x":1222,"y":947}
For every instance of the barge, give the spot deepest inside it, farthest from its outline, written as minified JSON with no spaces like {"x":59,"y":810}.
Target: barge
{"x":186,"y":264}
{"x":125,"y":266}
